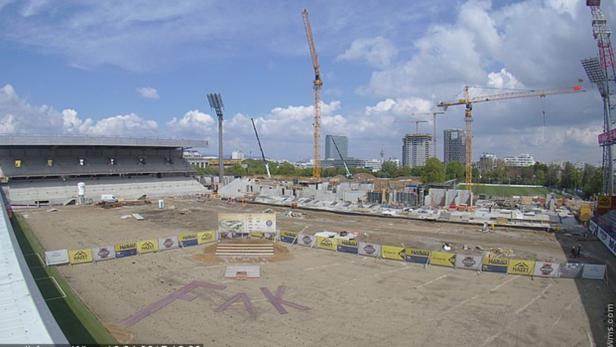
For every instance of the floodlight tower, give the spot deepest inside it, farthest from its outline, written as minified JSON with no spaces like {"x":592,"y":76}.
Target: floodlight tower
{"x":216,"y":104}
{"x":602,"y":71}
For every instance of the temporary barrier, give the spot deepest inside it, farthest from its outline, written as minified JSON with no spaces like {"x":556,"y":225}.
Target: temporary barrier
{"x":417,"y":255}
{"x":125,"y":249}
{"x":607,"y":239}
{"x":257,"y":235}
{"x":347,"y":246}
{"x":206,"y":237}
{"x":188,"y":239}
{"x":393,"y":252}
{"x":57,"y":257}
{"x":594,"y":271}
{"x":468,"y":261}
{"x":78,"y":256}
{"x":491,"y":263}
{"x":443,"y":258}
{"x":571,"y":270}
{"x":369,"y":249}
{"x":147,"y":246}
{"x":288,"y":237}
{"x":521,"y":267}
{"x":305,"y":240}
{"x":169,"y":242}
{"x":326,"y":243}
{"x":546,"y":269}
{"x":103,"y":253}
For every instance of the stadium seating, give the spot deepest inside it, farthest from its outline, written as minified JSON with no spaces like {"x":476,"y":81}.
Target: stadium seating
{"x":57,"y":191}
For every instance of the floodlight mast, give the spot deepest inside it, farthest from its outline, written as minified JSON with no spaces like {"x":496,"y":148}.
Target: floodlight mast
{"x":216,"y":104}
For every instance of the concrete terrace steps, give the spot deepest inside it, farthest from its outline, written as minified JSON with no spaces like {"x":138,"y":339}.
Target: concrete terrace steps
{"x":244,"y":249}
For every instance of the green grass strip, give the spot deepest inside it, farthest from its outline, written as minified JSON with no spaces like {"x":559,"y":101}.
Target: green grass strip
{"x":80,"y":326}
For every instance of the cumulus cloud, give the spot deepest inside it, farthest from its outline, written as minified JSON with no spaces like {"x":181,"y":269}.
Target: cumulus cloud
{"x":193,"y":122}
{"x":503,"y":79}
{"x":377,"y":51}
{"x":148,"y":92}
{"x":19,"y":116}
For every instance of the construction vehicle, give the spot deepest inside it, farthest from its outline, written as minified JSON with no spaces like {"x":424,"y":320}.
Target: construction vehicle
{"x":469,"y":100}
{"x":346,"y":168}
{"x":261,"y":149}
{"x":317,"y":85}
{"x":433,"y":114}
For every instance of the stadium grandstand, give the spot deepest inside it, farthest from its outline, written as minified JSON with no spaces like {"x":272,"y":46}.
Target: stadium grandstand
{"x":47,"y":169}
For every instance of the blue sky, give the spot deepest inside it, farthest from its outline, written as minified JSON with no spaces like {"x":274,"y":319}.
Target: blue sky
{"x":143,"y":68}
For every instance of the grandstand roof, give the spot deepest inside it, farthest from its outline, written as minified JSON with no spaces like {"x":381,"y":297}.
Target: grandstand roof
{"x":68,"y":140}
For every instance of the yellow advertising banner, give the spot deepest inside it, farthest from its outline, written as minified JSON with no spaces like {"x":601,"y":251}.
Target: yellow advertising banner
{"x":147,"y":246}
{"x":257,"y":234}
{"x":521,"y":267}
{"x":443,"y":258}
{"x":288,"y":234}
{"x":206,"y":237}
{"x":187,"y":236}
{"x":78,"y":256}
{"x":497,"y":261}
{"x":393,"y":252}
{"x":604,"y":201}
{"x":326,"y":243}
{"x":124,"y":246}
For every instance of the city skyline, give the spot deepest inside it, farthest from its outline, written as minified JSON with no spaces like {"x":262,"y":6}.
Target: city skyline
{"x":62,"y":75}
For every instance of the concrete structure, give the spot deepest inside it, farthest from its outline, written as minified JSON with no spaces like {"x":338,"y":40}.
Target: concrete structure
{"x":454,"y":146}
{"x":416,"y":149}
{"x":487,"y":162}
{"x":373,"y":164}
{"x":196,"y":159}
{"x":330,"y":149}
{"x":522,"y":160}
{"x":47,"y":169}
{"x":238,"y":155}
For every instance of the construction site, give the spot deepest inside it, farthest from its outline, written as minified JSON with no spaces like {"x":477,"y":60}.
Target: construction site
{"x":119,"y":240}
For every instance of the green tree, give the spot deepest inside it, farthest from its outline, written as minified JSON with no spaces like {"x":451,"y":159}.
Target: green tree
{"x":552,"y":176}
{"x":570,"y":177}
{"x":388,"y":169}
{"x":455,"y":170}
{"x":433,"y":171}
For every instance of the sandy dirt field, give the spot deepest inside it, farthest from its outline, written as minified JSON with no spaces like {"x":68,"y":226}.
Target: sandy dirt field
{"x":352,"y":300}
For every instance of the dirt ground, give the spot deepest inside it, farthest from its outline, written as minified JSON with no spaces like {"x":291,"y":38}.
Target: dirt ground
{"x":352,"y":300}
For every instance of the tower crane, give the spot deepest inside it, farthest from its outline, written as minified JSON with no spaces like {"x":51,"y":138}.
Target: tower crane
{"x":469,"y":100}
{"x":433,"y":114}
{"x":317,"y":85}
{"x":346,"y":168}
{"x":417,"y":125}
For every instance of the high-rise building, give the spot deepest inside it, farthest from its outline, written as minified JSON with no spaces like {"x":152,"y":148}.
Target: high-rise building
{"x":454,"y":146}
{"x":330,"y":149}
{"x":487,"y":162}
{"x":416,"y":149}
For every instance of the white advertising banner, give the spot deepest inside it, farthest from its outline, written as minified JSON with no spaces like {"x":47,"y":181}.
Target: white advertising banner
{"x":305,"y":240}
{"x":571,"y":270}
{"x":245,"y":223}
{"x":468,"y":261}
{"x":593,"y":271}
{"x":103,"y":253}
{"x":546,"y":269}
{"x":369,"y":249}
{"x":57,"y":257}
{"x":169,"y":242}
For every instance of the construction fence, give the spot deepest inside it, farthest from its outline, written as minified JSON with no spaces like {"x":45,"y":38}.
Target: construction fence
{"x":486,"y":262}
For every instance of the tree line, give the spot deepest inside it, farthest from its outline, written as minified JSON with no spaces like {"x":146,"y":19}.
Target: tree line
{"x":582,"y":181}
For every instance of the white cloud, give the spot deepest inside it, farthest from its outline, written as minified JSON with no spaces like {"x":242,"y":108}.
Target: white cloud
{"x":503,"y":79}
{"x":148,"y":92}
{"x":193,"y":122}
{"x":377,"y":51}
{"x":400,"y":106}
{"x":18,"y":116}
